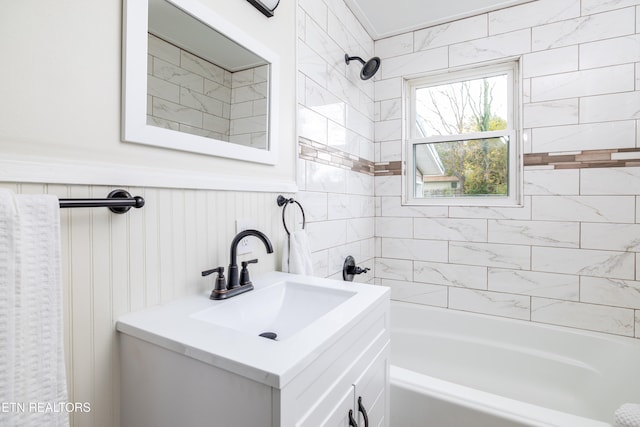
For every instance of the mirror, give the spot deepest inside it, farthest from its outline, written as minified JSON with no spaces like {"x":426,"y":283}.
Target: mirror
{"x":194,"y":82}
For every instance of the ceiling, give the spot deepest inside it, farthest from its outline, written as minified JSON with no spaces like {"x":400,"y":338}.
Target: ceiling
{"x":384,"y":18}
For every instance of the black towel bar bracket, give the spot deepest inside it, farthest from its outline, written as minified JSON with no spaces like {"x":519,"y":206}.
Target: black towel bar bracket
{"x":118,"y":201}
{"x":283,"y":202}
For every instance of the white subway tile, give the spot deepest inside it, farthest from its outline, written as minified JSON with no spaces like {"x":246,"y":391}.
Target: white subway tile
{"x":585,"y":29}
{"x":395,"y":269}
{"x":522,"y":212}
{"x":388,"y":185}
{"x":583,"y":208}
{"x":465,"y":276}
{"x":532,"y":14}
{"x":551,"y":113}
{"x":598,"y":81}
{"x":315,"y":205}
{"x":450,"y":33}
{"x":312,"y":125}
{"x":617,"y":237}
{"x":610,"y":181}
{"x":316,"y":10}
{"x":318,"y":40}
{"x":615,"y":292}
{"x":490,"y":254}
{"x":179,"y":113}
{"x":326,"y":234}
{"x":324,"y":103}
{"x":394,"y":227}
{"x":584,"y":316}
{"x":541,"y":233}
{"x":388,"y":88}
{"x":202,"y":67}
{"x":390,"y":109}
{"x":548,"y":285}
{"x":391,"y":206}
{"x":418,"y":62}
{"x":597,"y":6}
{"x":388,"y":130}
{"x":550,"y":182}
{"x":618,"y":106}
{"x":489,"y":48}
{"x":163,"y":89}
{"x":414,"y":249}
{"x":327,"y":178}
{"x":585,"y":262}
{"x":550,"y":61}
{"x":638,"y":311}
{"x":620,"y":50}
{"x":474,"y":230}
{"x":338,"y":206}
{"x":360,"y":229}
{"x":360,"y":123}
{"x":394,"y":46}
{"x":417,"y":293}
{"x":359,"y":183}
{"x":590,"y":136}
{"x":163,"y":50}
{"x":493,"y":303}
{"x":311,"y":64}
{"x":180,"y":76}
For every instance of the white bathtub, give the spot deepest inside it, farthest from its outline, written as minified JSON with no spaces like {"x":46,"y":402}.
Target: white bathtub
{"x":456,"y":369}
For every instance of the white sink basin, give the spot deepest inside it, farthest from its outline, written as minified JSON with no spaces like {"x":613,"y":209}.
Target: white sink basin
{"x":283,"y":308}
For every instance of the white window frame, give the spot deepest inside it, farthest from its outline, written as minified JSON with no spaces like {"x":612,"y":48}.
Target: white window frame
{"x":511,"y":67}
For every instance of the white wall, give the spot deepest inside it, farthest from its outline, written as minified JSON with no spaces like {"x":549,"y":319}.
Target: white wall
{"x":569,"y":256}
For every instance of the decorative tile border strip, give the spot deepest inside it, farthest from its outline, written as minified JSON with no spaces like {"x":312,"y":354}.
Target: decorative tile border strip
{"x":611,"y":158}
{"x":389,"y":168}
{"x":322,"y":153}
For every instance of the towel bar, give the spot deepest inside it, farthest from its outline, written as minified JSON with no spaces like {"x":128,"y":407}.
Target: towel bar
{"x":283,"y":201}
{"x":118,"y":201}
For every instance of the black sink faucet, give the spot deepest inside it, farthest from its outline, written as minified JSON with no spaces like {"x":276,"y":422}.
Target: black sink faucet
{"x":233,"y":278}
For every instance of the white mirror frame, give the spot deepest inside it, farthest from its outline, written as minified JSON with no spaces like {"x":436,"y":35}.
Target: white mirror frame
{"x":134,"y":87}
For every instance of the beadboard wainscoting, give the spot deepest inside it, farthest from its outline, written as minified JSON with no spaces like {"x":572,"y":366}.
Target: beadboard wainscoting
{"x":569,"y":256}
{"x":114,"y":264}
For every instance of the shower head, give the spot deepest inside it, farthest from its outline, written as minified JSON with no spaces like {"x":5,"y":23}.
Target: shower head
{"x":369,"y":68}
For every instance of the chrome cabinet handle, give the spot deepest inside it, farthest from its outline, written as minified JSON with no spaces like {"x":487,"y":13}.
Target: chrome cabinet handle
{"x":363,"y":411}
{"x":352,"y":422}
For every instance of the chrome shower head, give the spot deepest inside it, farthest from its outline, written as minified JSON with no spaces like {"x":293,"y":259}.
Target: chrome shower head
{"x":369,"y":68}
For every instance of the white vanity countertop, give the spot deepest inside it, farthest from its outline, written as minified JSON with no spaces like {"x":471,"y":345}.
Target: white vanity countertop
{"x":274,"y":363}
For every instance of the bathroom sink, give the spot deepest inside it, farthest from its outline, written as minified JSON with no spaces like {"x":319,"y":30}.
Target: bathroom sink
{"x":305,"y":315}
{"x":277,"y":311}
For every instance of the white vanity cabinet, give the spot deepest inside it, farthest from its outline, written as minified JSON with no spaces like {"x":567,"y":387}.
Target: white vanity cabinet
{"x":185,"y":373}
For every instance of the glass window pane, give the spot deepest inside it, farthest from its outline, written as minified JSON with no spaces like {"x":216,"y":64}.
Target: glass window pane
{"x":465,"y":168}
{"x":457,"y":108}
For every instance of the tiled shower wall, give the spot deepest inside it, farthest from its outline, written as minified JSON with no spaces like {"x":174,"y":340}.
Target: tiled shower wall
{"x":570,"y":255}
{"x":193,"y":95}
{"x":335,"y":124}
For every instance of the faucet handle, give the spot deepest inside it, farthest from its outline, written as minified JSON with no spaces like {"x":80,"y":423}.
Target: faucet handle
{"x":219,"y":270}
{"x":221,"y":286}
{"x":244,"y":273}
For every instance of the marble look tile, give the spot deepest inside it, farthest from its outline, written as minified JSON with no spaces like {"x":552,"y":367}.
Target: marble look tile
{"x":250,"y":93}
{"x":311,"y":64}
{"x":320,"y":260}
{"x":163,"y":50}
{"x":597,"y":6}
{"x":490,"y":255}
{"x":395,"y":269}
{"x":610,"y":181}
{"x":178,"y":113}
{"x":620,"y":50}
{"x":618,"y":106}
{"x":390,"y":109}
{"x":360,"y":229}
{"x":202,"y":67}
{"x":548,"y":285}
{"x":338,"y":206}
{"x":401,"y":228}
{"x":391,"y":206}
{"x":163,"y":89}
{"x":326,"y":234}
{"x":585,"y":262}
{"x":637,"y":323}
{"x":324,"y":103}
{"x":584,"y":208}
{"x":598,"y":81}
{"x":318,"y":40}
{"x":532,"y":14}
{"x":450,"y":33}
{"x":248,"y":125}
{"x":218,"y":91}
{"x":417,"y":293}
{"x":591,"y":136}
{"x":551,"y":61}
{"x":493,"y":303}
{"x":617,"y":237}
{"x":359,"y":123}
{"x":394,"y":46}
{"x":551,"y":113}
{"x":585,"y":29}
{"x":174,"y":74}
{"x":359,"y":183}
{"x":584,"y":316}
{"x":204,"y":103}
{"x":315,"y":205}
{"x":388,"y":88}
{"x":390,"y":151}
{"x":553,"y":182}
{"x":312,"y":125}
{"x":327,"y":178}
{"x":413,"y":249}
{"x":388,"y":130}
{"x":465,"y":276}
{"x":489,"y":48}
{"x":473,"y":230}
{"x":418,"y":62}
{"x":388,"y":185}
{"x":541,"y":233}
{"x":523,"y":212}
{"x":315,"y":10}
{"x":614,"y":292}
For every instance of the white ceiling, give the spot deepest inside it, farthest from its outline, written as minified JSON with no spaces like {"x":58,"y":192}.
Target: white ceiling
{"x":384,"y":18}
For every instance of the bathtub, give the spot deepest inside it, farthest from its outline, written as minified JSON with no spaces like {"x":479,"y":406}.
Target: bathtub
{"x":457,"y":369}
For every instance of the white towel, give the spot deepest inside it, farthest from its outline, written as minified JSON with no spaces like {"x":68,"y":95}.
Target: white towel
{"x":296,"y":254}
{"x":628,"y":415}
{"x":32,"y":369}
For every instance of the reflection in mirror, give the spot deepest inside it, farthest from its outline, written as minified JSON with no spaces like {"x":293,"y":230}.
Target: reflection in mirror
{"x":190,"y":87}
{"x":202,"y":83}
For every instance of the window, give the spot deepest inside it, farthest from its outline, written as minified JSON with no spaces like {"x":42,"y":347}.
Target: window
{"x":462,"y":137}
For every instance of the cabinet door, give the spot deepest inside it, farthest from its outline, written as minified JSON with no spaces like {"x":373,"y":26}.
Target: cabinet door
{"x":372,"y":392}
{"x":337,"y":416}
